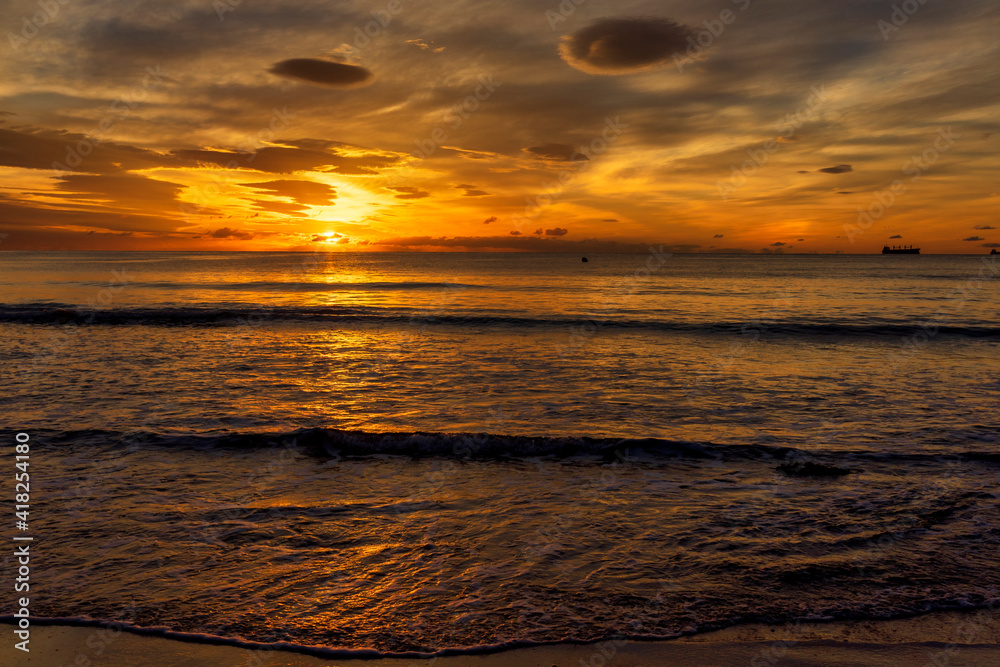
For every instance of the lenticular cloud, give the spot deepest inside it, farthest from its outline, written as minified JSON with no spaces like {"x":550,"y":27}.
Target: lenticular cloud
{"x":323,"y":72}
{"x":621,"y":46}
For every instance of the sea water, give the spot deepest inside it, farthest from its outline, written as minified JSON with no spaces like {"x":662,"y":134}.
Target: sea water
{"x":422,"y":451}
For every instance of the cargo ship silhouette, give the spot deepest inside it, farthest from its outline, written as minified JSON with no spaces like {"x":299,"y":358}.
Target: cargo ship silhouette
{"x":900,"y":250}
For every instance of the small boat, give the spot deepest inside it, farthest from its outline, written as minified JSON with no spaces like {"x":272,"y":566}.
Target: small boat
{"x":900,"y":250}
{"x":993,"y":252}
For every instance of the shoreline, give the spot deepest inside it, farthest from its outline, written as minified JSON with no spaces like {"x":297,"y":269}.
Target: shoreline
{"x":955,"y":638}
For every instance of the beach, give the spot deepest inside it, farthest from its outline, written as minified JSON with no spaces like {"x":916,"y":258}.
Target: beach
{"x":954,"y":639}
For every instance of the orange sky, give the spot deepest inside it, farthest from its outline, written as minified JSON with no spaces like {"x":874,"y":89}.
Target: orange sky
{"x":742,"y":125}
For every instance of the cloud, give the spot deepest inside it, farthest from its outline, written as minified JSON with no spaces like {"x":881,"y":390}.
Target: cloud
{"x":624,"y":45}
{"x":609,"y":220}
{"x":974,"y":238}
{"x":538,"y":232}
{"x":490,"y":219}
{"x":39,"y":149}
{"x":515,"y":233}
{"x":309,"y":193}
{"x":984,"y":227}
{"x":897,"y":236}
{"x":300,"y":155}
{"x":839,"y":169}
{"x":472,"y":190}
{"x":558,"y":231}
{"x":228,"y":233}
{"x":990,"y":245}
{"x":407,"y":192}
{"x":777,"y":244}
{"x":561,"y":152}
{"x":122,"y":190}
{"x":323,"y":72}
{"x":282,"y":207}
{"x":424,"y":45}
{"x":718,"y":236}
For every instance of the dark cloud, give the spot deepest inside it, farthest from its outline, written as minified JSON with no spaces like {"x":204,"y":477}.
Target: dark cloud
{"x":282,"y":207}
{"x":974,"y":238}
{"x":490,"y":219}
{"x":982,"y":227}
{"x":718,"y":236}
{"x":558,"y":231}
{"x":777,"y":244}
{"x":515,"y":233}
{"x":228,"y":233}
{"x":623,"y":45}
{"x":290,"y":156}
{"x":130,"y":191}
{"x":310,"y":193}
{"x":323,"y":72}
{"x":839,"y":169}
{"x":609,"y":220}
{"x":897,"y":236}
{"x":990,"y":245}
{"x":538,"y":232}
{"x":80,"y":214}
{"x":39,"y":149}
{"x":407,"y":192}
{"x":800,"y":240}
{"x":472,"y":190}
{"x":561,"y":152}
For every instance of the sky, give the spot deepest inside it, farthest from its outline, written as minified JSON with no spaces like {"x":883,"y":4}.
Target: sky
{"x":797,"y":126}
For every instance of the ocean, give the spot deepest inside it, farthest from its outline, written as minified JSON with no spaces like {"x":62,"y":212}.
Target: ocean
{"x":421,"y":451}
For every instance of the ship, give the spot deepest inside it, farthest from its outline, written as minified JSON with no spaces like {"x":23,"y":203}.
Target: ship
{"x":900,"y":250}
{"x":993,"y":252}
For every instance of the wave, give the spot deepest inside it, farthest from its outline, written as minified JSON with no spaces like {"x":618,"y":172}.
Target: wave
{"x":954,"y":604}
{"x":59,"y":314}
{"x":289,"y":647}
{"x":335,"y":443}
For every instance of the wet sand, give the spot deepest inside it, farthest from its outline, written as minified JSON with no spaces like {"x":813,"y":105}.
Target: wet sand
{"x":953,"y":639}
